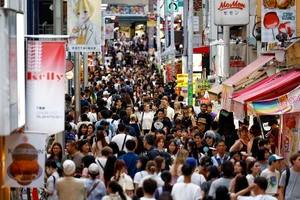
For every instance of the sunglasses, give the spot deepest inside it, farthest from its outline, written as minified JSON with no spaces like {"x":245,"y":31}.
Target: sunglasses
{"x":208,"y":137}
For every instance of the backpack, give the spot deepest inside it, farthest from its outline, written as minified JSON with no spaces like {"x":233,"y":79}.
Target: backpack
{"x":287,"y":178}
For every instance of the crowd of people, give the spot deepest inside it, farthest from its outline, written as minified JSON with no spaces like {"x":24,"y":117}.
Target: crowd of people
{"x":137,"y":139}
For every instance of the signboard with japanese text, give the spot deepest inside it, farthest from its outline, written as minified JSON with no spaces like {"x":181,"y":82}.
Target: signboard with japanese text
{"x":45,"y":86}
{"x":277,"y":18}
{"x":231,"y":12}
{"x":84,"y":22}
{"x":24,"y":160}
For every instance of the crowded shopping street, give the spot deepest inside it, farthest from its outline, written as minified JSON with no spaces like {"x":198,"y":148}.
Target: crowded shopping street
{"x":150,"y":100}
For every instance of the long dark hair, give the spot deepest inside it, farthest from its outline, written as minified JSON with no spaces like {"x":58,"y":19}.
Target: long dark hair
{"x":109,"y":167}
{"x":241,"y":183}
{"x":167,"y":178}
{"x":79,"y":130}
{"x":115,"y":187}
{"x":51,"y":157}
{"x":101,"y":137}
{"x":194,"y":152}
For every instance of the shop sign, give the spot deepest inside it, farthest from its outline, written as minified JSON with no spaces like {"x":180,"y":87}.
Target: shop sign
{"x":277,"y":18}
{"x":25,"y":160}
{"x":288,"y":103}
{"x":238,"y":55}
{"x":123,"y":10}
{"x":231,"y":13}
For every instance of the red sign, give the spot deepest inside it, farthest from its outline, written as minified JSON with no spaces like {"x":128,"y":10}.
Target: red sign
{"x":169,"y":25}
{"x":152,"y":17}
{"x":237,"y":63}
{"x":235,"y":4}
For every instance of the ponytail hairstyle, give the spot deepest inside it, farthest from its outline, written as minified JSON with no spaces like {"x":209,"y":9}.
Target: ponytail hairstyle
{"x":167,"y":178}
{"x":159,"y":160}
{"x":119,"y":164}
{"x":151,"y":167}
{"x":115,"y":187}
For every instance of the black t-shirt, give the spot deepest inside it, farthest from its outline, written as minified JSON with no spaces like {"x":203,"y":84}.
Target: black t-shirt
{"x":165,"y":122}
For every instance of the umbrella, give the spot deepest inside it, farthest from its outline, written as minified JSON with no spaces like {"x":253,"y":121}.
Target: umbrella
{"x":170,"y":52}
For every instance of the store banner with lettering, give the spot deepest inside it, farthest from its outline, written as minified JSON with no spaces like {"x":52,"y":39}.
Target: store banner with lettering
{"x":84,"y":22}
{"x":290,"y":135}
{"x":25,"y":160}
{"x":226,"y":100}
{"x":288,"y":103}
{"x":45,"y":86}
{"x":277,"y":17}
{"x":109,"y":31}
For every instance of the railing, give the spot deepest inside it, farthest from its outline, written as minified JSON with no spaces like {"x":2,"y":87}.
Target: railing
{"x":49,"y":29}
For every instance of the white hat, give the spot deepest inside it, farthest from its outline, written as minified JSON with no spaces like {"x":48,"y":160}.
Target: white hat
{"x":69,"y":167}
{"x":105,"y":93}
{"x":93,"y":168}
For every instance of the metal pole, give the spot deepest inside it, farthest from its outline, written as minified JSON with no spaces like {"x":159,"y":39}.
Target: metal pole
{"x":85,"y":70}
{"x":77,"y":86}
{"x":102,"y":37}
{"x":226,"y":38}
{"x":172,"y":39}
{"x":190,"y":53}
{"x":158,"y":37}
{"x":185,"y":36}
{"x":166,"y":26}
{"x":58,"y":17}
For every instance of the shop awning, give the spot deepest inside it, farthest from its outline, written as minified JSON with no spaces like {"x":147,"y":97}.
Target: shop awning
{"x":274,"y":86}
{"x":216,"y":90}
{"x":248,"y":70}
{"x":202,"y":50}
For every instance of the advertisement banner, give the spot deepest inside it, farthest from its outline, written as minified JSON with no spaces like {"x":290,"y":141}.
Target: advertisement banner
{"x":290,"y":135}
{"x":45,"y":86}
{"x":123,"y":10}
{"x":84,"y":22}
{"x":25,"y":160}
{"x":231,"y":12}
{"x":109,"y":31}
{"x":238,"y":55}
{"x":182,"y":79}
{"x":226,"y":100}
{"x":277,"y":17}
{"x":288,"y":103}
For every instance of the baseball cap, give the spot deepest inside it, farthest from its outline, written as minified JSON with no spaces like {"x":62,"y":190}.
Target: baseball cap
{"x":93,"y":168}
{"x":69,"y":167}
{"x":105,"y":93}
{"x":191,"y":161}
{"x":274,"y":157}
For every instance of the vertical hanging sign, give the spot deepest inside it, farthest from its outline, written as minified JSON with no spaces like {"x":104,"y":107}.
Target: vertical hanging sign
{"x":45,"y":86}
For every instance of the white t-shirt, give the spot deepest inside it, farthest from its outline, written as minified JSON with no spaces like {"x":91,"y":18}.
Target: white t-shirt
{"x":258,"y":197}
{"x":273,"y":180}
{"x":170,"y":113}
{"x":147,"y":120}
{"x":188,"y":191}
{"x":197,"y":179}
{"x":139,"y":175}
{"x":159,"y":181}
{"x":146,"y":198}
{"x":119,"y":139}
{"x":250,"y":178}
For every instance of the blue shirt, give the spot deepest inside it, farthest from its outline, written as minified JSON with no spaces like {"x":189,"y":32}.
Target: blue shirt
{"x":131,"y":160}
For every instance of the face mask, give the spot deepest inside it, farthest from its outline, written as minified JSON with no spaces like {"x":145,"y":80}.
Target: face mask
{"x":48,"y":171}
{"x":136,"y":108}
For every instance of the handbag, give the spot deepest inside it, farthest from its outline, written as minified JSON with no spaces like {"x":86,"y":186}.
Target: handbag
{"x":44,"y":195}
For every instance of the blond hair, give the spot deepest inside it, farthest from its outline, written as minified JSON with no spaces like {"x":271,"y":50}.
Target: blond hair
{"x":181,"y":156}
{"x":83,"y":4}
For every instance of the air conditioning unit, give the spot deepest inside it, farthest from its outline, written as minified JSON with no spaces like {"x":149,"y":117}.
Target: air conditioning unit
{"x":17,"y":5}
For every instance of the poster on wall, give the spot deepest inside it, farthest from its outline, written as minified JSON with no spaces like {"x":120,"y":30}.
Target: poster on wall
{"x":84,"y":22}
{"x":290,"y":135}
{"x":24,"y":160}
{"x":45,"y":86}
{"x":277,"y":17}
{"x":123,"y":10}
{"x":109,"y":31}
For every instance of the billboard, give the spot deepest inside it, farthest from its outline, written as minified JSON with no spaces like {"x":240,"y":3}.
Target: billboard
{"x":84,"y":22}
{"x":231,"y":13}
{"x":277,"y":17}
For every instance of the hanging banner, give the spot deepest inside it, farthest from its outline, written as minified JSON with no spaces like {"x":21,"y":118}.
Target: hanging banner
{"x":288,"y":103}
{"x":84,"y":22}
{"x":290,"y":135}
{"x":45,"y":86}
{"x":123,"y":10}
{"x":109,"y":31}
{"x":24,"y":160}
{"x":277,"y":17}
{"x":226,"y":100}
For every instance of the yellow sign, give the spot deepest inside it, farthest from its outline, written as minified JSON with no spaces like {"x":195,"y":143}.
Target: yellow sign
{"x":151,"y":23}
{"x":182,"y":79}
